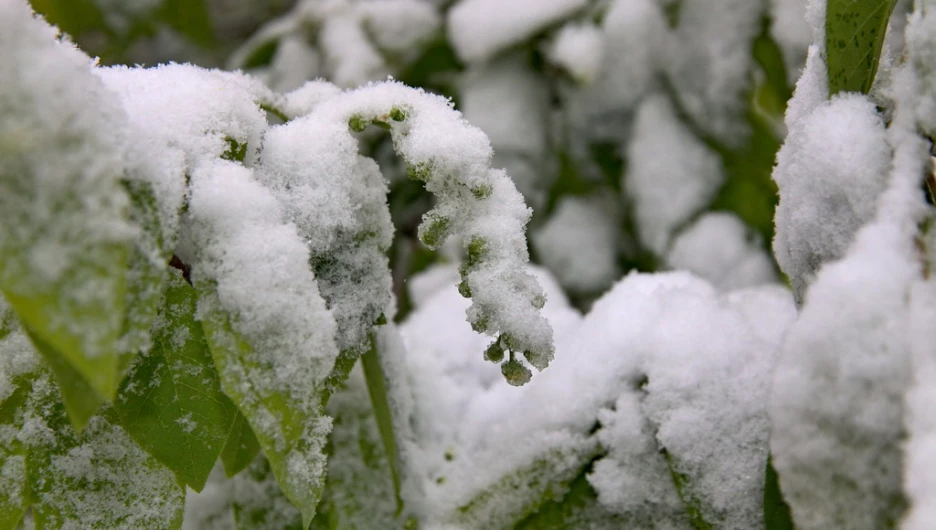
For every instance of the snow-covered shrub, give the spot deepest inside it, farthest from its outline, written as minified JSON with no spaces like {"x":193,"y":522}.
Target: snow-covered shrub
{"x":228,"y":301}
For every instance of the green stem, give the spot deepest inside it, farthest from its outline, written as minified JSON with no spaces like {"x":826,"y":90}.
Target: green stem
{"x":377,"y":389}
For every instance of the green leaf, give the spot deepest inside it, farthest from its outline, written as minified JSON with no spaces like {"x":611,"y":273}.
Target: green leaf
{"x":579,"y":508}
{"x":361,"y":492}
{"x":83,"y":334}
{"x":14,"y":493}
{"x":776,"y":511}
{"x":74,"y":17}
{"x":855,"y":31}
{"x":377,"y":389}
{"x":522,"y":492}
{"x":81,"y":401}
{"x":171,"y":403}
{"x":290,"y":428}
{"x":241,"y":447}
{"x":98,"y":479}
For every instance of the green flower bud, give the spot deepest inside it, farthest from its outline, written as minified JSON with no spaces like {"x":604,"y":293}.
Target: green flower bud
{"x":515,"y":373}
{"x":434,"y":230}
{"x":236,"y":152}
{"x":397,"y":114}
{"x":477,"y":248}
{"x":418,"y":172}
{"x":357,"y":123}
{"x":481,"y":192}
{"x":464,"y":290}
{"x":480,"y":325}
{"x":494,"y":353}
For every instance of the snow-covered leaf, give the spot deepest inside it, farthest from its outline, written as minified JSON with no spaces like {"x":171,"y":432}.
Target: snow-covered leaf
{"x":259,"y":503}
{"x":270,"y":335}
{"x":80,"y":400}
{"x":18,"y":367}
{"x":361,"y":492}
{"x":65,"y":243}
{"x":99,"y":479}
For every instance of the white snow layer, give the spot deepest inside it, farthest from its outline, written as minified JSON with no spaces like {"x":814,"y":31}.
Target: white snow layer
{"x":710,"y":61}
{"x":829,"y":172}
{"x":478,"y":29}
{"x":678,"y":386}
{"x":720,"y":248}
{"x":578,"y":244}
{"x":671,"y":174}
{"x":838,"y":393}
{"x":509,"y":101}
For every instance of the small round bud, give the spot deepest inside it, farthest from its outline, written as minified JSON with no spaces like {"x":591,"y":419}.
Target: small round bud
{"x":515,"y":373}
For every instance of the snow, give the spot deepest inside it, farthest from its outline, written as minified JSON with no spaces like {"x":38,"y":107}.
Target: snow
{"x":260,"y":266}
{"x":479,"y":29}
{"x":709,"y":62}
{"x":838,"y":396}
{"x":919,"y":483}
{"x":829,"y":173}
{"x":350,"y":57}
{"x":789,"y":29}
{"x":578,"y":49}
{"x":671,"y":174}
{"x":709,"y":415}
{"x":509,"y":101}
{"x":319,"y":183}
{"x":399,"y":26}
{"x":722,"y":249}
{"x":578,"y":244}
{"x":295,"y":62}
{"x":185,"y":108}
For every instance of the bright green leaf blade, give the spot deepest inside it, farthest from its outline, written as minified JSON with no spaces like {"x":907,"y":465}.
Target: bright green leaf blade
{"x":171,"y":403}
{"x":80,"y":400}
{"x":776,"y":511}
{"x":99,"y":371}
{"x":377,"y":390}
{"x":241,"y":448}
{"x":855,"y":31}
{"x":291,"y":435}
